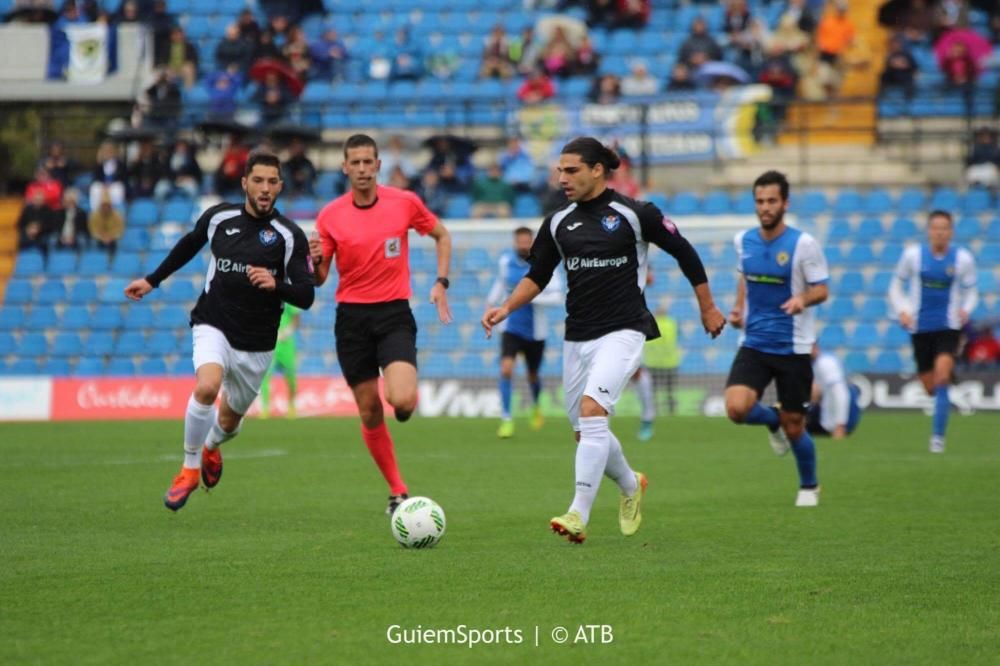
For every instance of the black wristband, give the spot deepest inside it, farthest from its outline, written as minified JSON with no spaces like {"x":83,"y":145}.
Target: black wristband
{"x":444,"y":282}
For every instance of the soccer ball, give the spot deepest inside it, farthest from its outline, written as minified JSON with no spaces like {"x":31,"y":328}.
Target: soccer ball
{"x":418,"y":523}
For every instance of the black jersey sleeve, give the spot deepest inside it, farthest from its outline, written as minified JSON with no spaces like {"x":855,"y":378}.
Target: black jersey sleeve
{"x":299,"y":289}
{"x":184,"y":251}
{"x":658,"y":229}
{"x":545,"y":256}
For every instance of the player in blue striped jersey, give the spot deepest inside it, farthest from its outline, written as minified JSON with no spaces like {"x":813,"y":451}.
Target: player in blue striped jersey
{"x":782,"y":273}
{"x":939,"y":295}
{"x":524,"y":332}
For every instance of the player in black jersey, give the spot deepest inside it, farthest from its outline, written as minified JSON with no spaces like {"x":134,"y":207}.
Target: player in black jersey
{"x":260,"y":261}
{"x":602,"y":238}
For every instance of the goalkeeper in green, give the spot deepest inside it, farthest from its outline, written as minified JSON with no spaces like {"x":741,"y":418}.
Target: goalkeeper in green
{"x":284,"y":358}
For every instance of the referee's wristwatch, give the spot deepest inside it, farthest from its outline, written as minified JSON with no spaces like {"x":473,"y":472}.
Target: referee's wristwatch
{"x":444,"y":282}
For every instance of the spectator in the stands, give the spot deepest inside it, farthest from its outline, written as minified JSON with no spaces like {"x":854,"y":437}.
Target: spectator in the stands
{"x":128,"y":12}
{"x":801,"y":14}
{"x":70,"y":223}
{"x":393,"y":155}
{"x":600,"y":13}
{"x":296,"y":52}
{"x":229,"y":175}
{"x":558,"y":56}
{"x":329,"y":56}
{"x":639,"y":81}
{"x":900,"y":69}
{"x":223,"y":89}
{"x":995,"y":27}
{"x":183,"y":174}
{"x":398,"y":179}
{"x":161,"y":23}
{"x":443,"y":59}
{"x":516,"y":166}
{"x":407,"y":61}
{"x":233,"y":50}
{"x":496,"y":55}
{"x":145,"y":171}
{"x":524,"y":50}
{"x":164,"y":100}
{"x":951,"y":14}
{"x":779,"y":76}
{"x":983,"y":348}
{"x":182,"y":60}
{"x":249,"y":28}
{"x":266,"y":47}
{"x":536,"y":88}
{"x":108,"y":177}
{"x":35,"y":223}
{"x":430,"y":190}
{"x":789,"y":41}
{"x":60,"y":166}
{"x":917,"y":23}
{"x":680,"y":79}
{"x":983,"y":163}
{"x":105,"y":224}
{"x":835,"y":33}
{"x":587,"y":59}
{"x":298,"y":171}
{"x":959,"y":67}
{"x":273,"y":98}
{"x":736,"y":20}
{"x":50,"y":188}
{"x":279,"y":26}
{"x":632,"y":14}
{"x":452,"y":182}
{"x":457,"y":155}
{"x":492,"y":196}
{"x":699,"y":47}
{"x":607,"y":89}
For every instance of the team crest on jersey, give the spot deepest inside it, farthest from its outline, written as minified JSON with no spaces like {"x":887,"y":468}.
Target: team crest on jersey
{"x":268,"y":237}
{"x":782,"y":258}
{"x":610,"y":222}
{"x":950,"y":271}
{"x":393,"y":248}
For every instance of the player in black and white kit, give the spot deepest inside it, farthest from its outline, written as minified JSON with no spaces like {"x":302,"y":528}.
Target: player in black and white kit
{"x":602,"y":238}
{"x":260,"y":261}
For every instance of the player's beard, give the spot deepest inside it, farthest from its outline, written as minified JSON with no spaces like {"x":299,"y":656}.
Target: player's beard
{"x":778,"y":217}
{"x":257,"y":210}
{"x":524,"y":254}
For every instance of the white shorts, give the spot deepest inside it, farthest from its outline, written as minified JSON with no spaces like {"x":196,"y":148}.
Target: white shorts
{"x":600,"y":369}
{"x":242,"y":371}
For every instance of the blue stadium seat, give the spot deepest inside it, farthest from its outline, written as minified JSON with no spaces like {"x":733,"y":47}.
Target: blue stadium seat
{"x":8,"y":344}
{"x":874,"y":309}
{"x":120,"y":367}
{"x":11,"y":317}
{"x":890,"y":254}
{"x":716,"y":203}
{"x":847,"y":202}
{"x":178,"y":291}
{"x":860,"y":255}
{"x":198,"y":266}
{"x":526,"y":205}
{"x":470,"y":365}
{"x":478,"y":259}
{"x":138,"y":316}
{"x":685,"y":203}
{"x":856,"y":361}
{"x":743,"y":204}
{"x":134,"y":240}
{"x":151,"y":261}
{"x":89,"y":366}
{"x":945,"y":198}
{"x":19,"y":292}
{"x":459,"y":206}
{"x":840,"y":229}
{"x":101,"y":343}
{"x":126,"y":264}
{"x":989,"y":255}
{"x":56,"y":367}
{"x":833,"y":335}
{"x":978,"y":201}
{"x":911,"y":200}
{"x":660,"y":200}
{"x":869,"y":229}
{"x":834,"y":254}
{"x":967,"y":229}
{"x":153,"y":366}
{"x":143,"y":213}
{"x":876,"y":202}
{"x":93,"y":264}
{"x":29,"y":264}
{"x":888,"y":361}
{"x":879,"y":283}
{"x":865,"y":336}
{"x":130,"y":343}
{"x":896,"y":336}
{"x":106,"y":318}
{"x":851,"y":282}
{"x":23,"y":366}
{"x":33,"y":344}
{"x":51,"y":291}
{"x":811,"y":202}
{"x":693,"y":362}
{"x":113,"y":291}
{"x":987,"y":281}
{"x":41,"y":317}
{"x":67,"y":344}
{"x":83,"y":291}
{"x":162,"y":342}
{"x":904,"y":229}
{"x":172,"y":317}
{"x":62,"y":263}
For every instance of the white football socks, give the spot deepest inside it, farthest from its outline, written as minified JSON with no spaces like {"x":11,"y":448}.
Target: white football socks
{"x":591,"y":460}
{"x":197,"y":421}
{"x":618,"y":469}
{"x":217,"y":435}
{"x":644,"y":388}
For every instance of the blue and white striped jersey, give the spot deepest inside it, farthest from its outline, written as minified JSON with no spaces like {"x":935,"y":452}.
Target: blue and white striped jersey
{"x":939,"y":287}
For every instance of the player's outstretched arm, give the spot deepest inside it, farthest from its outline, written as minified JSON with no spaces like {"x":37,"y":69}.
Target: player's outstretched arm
{"x":523,"y":293}
{"x":136,"y":289}
{"x":711,"y":317}
{"x":439,"y":293}
{"x":736,"y":314}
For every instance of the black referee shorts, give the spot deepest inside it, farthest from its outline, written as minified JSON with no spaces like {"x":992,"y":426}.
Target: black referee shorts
{"x":927,"y":346}
{"x":373,"y":335}
{"x":792,"y":375}
{"x":533,"y":350}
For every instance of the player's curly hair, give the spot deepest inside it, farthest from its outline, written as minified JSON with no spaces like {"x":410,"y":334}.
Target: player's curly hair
{"x":264,"y":158}
{"x":592,"y":152}
{"x":773,"y":178}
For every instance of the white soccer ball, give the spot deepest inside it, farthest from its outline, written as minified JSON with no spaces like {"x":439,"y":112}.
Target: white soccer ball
{"x":418,"y":523}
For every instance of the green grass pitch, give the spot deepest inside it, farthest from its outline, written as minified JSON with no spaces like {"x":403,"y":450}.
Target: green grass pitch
{"x":290,"y":560}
